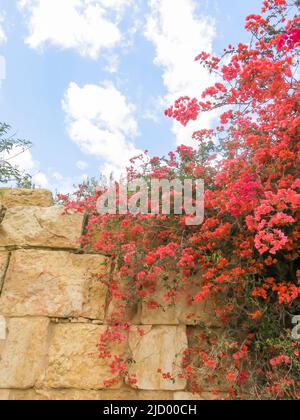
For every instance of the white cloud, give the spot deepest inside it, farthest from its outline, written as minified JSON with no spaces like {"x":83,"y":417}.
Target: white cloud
{"x":178,"y":36}
{"x":112,"y":65}
{"x":3,"y":37}
{"x":40,"y":180}
{"x":23,"y":160}
{"x":20,"y":158}
{"x":2,"y":69}
{"x":88,"y":26}
{"x":101,"y":122}
{"x":81,"y":165}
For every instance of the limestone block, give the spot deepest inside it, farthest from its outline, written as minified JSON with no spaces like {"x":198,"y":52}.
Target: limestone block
{"x":155,"y":396}
{"x":41,"y":227}
{"x":14,"y":197}
{"x":4,"y":259}
{"x":73,"y":359}
{"x":205,"y":396}
{"x":80,"y":395}
{"x":50,"y":395}
{"x":2,"y":212}
{"x":160,"y":347}
{"x":119,"y":395}
{"x":4,"y":394}
{"x":54,"y":284}
{"x":183,"y":311}
{"x":135,"y":395}
{"x":23,"y":353}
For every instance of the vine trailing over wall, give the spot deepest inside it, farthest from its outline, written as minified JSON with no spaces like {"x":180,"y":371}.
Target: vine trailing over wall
{"x":245,"y":256}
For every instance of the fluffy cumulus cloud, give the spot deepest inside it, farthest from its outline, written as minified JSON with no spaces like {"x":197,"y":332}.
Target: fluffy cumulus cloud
{"x":101,"y":122}
{"x":88,"y":26}
{"x":179,"y":35}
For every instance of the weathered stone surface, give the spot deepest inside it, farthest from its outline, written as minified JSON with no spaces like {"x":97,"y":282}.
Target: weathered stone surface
{"x":73,"y":359}
{"x":4,"y":259}
{"x":50,"y":395}
{"x":183,"y":311}
{"x":2,"y":212}
{"x":22,"y":354}
{"x":80,"y":395}
{"x":3,"y":332}
{"x":161,"y":347}
{"x":54,"y":284}
{"x":205,"y":396}
{"x":155,"y":395}
{"x":179,"y":313}
{"x":4,"y":394}
{"x":119,"y":395}
{"x":135,"y":395}
{"x":14,"y":197}
{"x":41,"y":227}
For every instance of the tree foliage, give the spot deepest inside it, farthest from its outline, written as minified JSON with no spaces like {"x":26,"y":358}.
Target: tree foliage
{"x":10,"y":148}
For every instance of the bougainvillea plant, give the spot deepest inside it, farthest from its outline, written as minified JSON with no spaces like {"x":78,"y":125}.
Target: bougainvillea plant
{"x":244,"y":258}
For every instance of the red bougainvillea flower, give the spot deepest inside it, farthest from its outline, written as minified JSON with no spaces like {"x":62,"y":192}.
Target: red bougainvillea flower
{"x":242,"y":265}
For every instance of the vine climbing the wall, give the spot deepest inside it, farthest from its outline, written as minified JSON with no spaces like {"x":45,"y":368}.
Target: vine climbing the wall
{"x":244,"y":258}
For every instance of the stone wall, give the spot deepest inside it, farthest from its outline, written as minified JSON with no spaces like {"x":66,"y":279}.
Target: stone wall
{"x":53,"y":310}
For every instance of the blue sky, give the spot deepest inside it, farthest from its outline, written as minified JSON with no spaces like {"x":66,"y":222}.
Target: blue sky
{"x":87,"y":80}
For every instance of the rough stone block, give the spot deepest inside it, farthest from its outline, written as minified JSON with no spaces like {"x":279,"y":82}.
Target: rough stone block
{"x":135,"y":395}
{"x":14,"y":197}
{"x":205,"y":396}
{"x":73,"y":359}
{"x":23,"y":353}
{"x":2,"y":212}
{"x":41,"y":227}
{"x":4,"y":259}
{"x":54,"y":284}
{"x":50,"y":395}
{"x":4,"y":394}
{"x":81,"y":395}
{"x":155,"y":395}
{"x":183,"y":311}
{"x":160,"y":347}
